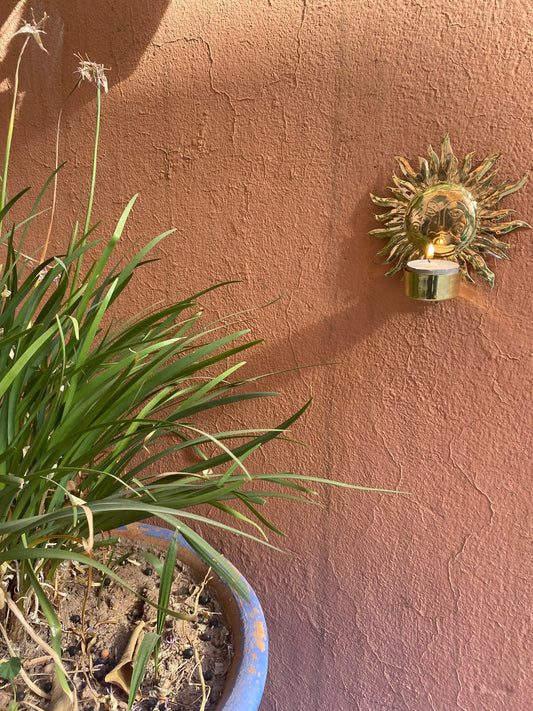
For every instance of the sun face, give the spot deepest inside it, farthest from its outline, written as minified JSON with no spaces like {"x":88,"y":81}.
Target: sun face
{"x":449,"y":209}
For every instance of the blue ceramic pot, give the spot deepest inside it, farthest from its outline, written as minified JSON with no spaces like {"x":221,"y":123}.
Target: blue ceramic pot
{"x":248,"y":670}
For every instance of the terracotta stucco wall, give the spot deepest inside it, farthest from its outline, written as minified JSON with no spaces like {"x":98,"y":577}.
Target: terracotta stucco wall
{"x":258,"y":128}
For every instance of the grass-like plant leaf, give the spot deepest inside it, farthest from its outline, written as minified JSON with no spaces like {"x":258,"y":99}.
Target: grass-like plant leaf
{"x":146,"y":648}
{"x":106,"y":422}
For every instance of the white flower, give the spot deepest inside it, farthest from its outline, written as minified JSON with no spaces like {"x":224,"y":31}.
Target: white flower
{"x":35,"y":29}
{"x":94,"y":73}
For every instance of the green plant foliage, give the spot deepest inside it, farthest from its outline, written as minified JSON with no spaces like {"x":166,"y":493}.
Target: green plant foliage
{"x":88,"y":412}
{"x":93,"y":408}
{"x":146,"y":649}
{"x":10,"y":669}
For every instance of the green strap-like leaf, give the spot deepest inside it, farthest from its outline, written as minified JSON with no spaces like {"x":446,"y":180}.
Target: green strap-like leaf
{"x":146,"y":648}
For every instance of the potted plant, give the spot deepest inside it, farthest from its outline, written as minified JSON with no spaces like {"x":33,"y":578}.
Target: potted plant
{"x":91,"y":407}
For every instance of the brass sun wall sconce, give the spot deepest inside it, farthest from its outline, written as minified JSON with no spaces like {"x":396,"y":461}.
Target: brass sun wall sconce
{"x":442,"y":221}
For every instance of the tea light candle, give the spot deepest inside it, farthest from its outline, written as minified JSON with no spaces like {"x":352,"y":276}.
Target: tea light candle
{"x":432,"y":266}
{"x":432,"y":279}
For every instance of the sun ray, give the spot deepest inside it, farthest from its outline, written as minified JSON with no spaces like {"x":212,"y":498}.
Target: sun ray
{"x":504,"y":227}
{"x":465,"y":166}
{"x":451,"y":205}
{"x":409,"y":173}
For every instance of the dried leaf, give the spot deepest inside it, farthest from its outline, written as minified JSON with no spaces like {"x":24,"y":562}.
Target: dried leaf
{"x":60,"y":700}
{"x":121,"y":674}
{"x":5,"y":700}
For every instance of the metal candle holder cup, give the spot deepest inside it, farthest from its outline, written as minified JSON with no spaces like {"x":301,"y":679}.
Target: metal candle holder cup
{"x":432,"y":279}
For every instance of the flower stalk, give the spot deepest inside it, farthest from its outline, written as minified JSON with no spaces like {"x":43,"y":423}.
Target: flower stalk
{"x":31,"y":29}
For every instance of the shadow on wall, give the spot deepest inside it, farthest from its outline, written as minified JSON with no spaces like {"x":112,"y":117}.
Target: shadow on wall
{"x":115,"y":34}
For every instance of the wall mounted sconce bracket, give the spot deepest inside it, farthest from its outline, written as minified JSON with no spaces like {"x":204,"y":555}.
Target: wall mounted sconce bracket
{"x":448,"y":210}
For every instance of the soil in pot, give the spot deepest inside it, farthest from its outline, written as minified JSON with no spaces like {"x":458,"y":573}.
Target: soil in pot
{"x":100,"y":620}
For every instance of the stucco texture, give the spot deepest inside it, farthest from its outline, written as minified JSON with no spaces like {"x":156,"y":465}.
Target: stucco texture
{"x":258,"y":128}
